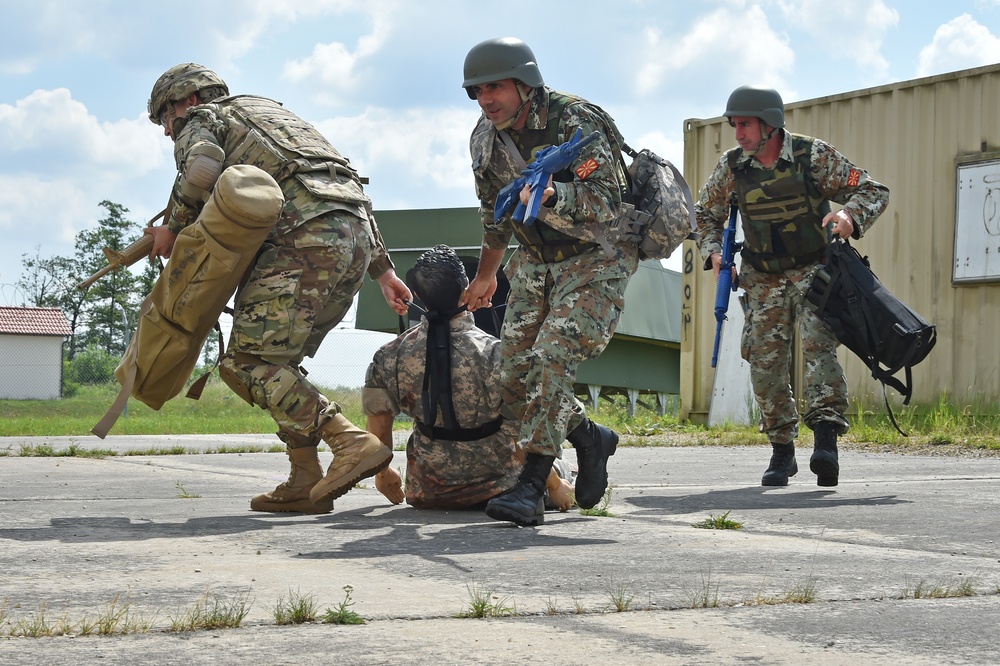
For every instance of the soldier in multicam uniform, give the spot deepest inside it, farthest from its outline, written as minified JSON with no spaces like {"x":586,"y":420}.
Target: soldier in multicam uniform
{"x":304,"y":278}
{"x":568,"y":276}
{"x":783,"y":184}
{"x":443,"y":374}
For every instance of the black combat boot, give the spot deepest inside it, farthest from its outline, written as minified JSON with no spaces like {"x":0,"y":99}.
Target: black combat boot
{"x":824,"y":458}
{"x":594,"y":444}
{"x":524,"y":504}
{"x":781,"y":467}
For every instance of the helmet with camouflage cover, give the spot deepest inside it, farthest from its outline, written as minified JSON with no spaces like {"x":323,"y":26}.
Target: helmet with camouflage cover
{"x":499,"y":59}
{"x":757,"y":102}
{"x":179,"y":82}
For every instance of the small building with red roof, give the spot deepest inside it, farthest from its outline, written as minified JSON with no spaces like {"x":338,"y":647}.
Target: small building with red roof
{"x":31,"y":352}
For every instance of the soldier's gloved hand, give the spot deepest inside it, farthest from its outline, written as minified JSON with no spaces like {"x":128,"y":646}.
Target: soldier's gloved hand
{"x":389,"y":483}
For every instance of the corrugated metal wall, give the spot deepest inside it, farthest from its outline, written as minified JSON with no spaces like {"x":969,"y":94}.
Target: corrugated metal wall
{"x":910,"y":136}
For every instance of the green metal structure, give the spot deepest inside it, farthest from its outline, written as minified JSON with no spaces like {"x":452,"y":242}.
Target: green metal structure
{"x":642,"y":358}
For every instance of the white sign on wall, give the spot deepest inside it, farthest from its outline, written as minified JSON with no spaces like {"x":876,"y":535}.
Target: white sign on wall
{"x":977,"y":222}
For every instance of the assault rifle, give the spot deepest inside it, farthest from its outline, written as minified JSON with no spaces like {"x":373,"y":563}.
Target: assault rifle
{"x":131,"y":254}
{"x":549,"y":161}
{"x":726,"y":282}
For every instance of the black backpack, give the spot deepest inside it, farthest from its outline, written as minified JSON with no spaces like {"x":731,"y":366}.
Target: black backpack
{"x":867,"y":319}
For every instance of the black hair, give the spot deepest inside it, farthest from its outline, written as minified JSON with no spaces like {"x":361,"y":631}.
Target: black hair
{"x":439,"y":278}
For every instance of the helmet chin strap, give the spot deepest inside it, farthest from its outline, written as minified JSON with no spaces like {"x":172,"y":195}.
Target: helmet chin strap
{"x":763,"y":139}
{"x":525,"y":100}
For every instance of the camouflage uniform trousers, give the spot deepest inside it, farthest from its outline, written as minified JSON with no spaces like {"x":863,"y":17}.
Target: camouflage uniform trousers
{"x":559,"y":314}
{"x":301,"y":286}
{"x":776,"y":305}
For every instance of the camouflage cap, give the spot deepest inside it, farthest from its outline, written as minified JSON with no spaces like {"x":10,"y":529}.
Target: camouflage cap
{"x":177,"y":83}
{"x":499,"y":59}
{"x":757,"y":102}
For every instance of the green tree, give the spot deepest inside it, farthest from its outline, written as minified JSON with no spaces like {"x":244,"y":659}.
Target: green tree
{"x":113,"y":301}
{"x":105,"y":315}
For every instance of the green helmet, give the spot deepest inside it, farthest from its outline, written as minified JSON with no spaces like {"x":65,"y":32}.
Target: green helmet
{"x":757,"y":102}
{"x":499,"y":59}
{"x":178,"y":83}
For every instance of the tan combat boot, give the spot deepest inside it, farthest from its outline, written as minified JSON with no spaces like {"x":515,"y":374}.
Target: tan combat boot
{"x":357,"y":454}
{"x":293,"y":495}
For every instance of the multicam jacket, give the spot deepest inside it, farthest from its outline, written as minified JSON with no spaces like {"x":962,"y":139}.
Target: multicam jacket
{"x":442,"y":473}
{"x":313,"y":176}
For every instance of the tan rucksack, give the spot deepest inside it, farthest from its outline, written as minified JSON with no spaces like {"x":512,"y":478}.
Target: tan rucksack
{"x":207,"y":264}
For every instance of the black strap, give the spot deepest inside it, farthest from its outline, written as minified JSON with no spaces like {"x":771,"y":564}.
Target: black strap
{"x":459,"y":434}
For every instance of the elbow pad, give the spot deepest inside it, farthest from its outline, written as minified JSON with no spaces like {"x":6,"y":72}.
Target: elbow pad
{"x":204,"y":165}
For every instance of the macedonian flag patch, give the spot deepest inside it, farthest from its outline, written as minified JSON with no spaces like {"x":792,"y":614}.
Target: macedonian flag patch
{"x":587,"y":168}
{"x":853,"y":178}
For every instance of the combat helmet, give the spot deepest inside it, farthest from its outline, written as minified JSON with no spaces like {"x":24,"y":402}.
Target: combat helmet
{"x":757,"y":102}
{"x":498,"y":59}
{"x":179,"y":82}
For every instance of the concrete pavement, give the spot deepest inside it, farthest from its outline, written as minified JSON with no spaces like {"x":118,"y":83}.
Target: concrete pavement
{"x":162,"y":532}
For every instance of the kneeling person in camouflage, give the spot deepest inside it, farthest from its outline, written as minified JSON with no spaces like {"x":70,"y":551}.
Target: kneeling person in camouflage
{"x":303,"y":280}
{"x":444,"y":373}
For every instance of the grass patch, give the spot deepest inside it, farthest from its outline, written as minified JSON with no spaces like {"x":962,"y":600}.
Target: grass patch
{"x":298,"y":608}
{"x":213,"y":611}
{"x":705,"y":595}
{"x":802,"y":593}
{"x":219,"y":411}
{"x":620,"y":593}
{"x":948,"y":589}
{"x":117,"y":617}
{"x":343,"y":613}
{"x":601,"y":509}
{"x":485,"y":602}
{"x":183,"y":493}
{"x":718,"y":523}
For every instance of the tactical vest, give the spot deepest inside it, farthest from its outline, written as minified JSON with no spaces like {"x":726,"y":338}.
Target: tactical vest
{"x":270,"y":137}
{"x":539,"y":239}
{"x":782,"y":211}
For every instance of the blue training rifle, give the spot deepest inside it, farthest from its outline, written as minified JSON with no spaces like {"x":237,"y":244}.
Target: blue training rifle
{"x":726,"y":282}
{"x":549,"y":161}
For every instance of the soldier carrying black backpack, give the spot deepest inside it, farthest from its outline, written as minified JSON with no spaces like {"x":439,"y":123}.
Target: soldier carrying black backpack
{"x":784,"y":184}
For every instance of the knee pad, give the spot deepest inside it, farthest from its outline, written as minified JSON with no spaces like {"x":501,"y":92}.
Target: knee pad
{"x":235,"y":377}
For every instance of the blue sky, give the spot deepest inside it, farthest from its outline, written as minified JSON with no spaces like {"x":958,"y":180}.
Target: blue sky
{"x":382,"y":79}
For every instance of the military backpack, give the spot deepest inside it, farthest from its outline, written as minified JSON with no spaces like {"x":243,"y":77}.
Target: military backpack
{"x":869,"y":320}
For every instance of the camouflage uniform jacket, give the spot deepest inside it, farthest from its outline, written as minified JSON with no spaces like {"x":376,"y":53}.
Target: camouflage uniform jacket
{"x":593,"y":195}
{"x":440,"y":473}
{"x":834,"y":176}
{"x":314,"y":178}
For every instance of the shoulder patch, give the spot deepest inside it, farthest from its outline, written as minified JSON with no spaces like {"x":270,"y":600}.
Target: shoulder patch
{"x":587,"y":168}
{"x":853,"y":178}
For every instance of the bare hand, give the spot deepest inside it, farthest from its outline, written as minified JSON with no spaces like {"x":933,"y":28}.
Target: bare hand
{"x":163,"y":241}
{"x":395,"y":292}
{"x":563,"y":496}
{"x":547,"y":193}
{"x":389,"y":483}
{"x":479,"y":293}
{"x":840,"y":223}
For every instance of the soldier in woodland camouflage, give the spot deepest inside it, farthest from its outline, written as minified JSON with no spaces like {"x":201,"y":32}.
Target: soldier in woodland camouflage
{"x":783,"y":184}
{"x":304,"y":278}
{"x":568,"y":275}
{"x":461,"y":452}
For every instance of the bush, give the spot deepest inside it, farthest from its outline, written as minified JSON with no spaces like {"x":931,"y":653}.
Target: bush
{"x":91,"y":366}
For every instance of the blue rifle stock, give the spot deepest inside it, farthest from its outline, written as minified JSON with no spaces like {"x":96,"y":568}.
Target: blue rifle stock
{"x":726,"y":283}
{"x":549,"y":161}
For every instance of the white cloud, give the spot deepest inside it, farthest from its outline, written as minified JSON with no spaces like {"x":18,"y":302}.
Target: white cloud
{"x":846,"y":30}
{"x":431,"y":146}
{"x":959,"y":44}
{"x":49,"y":122}
{"x":736,"y":40}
